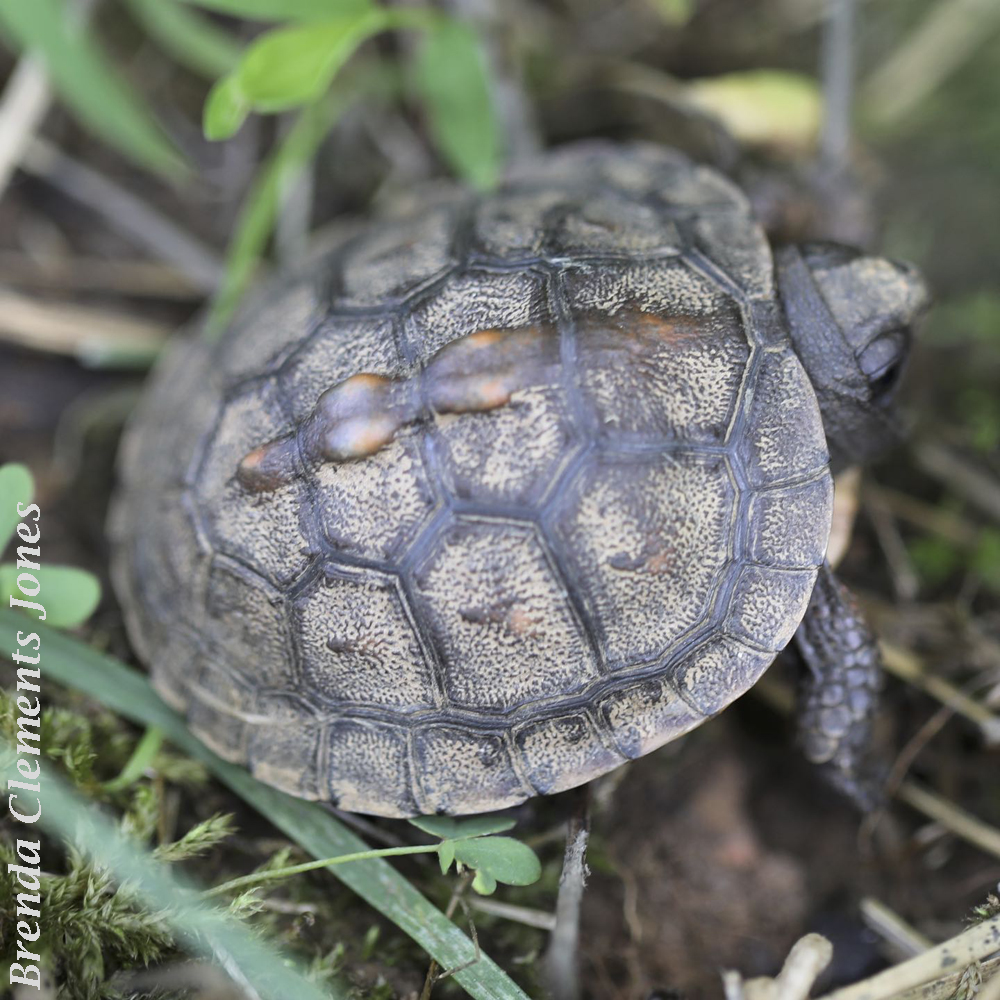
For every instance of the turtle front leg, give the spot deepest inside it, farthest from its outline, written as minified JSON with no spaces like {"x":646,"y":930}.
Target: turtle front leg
{"x":838,"y":696}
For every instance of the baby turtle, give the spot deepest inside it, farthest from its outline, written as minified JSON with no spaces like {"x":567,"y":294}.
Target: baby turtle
{"x":497,"y":494}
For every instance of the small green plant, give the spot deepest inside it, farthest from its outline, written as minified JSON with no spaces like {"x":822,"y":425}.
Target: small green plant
{"x":469,"y":843}
{"x":68,"y":594}
{"x":988,"y":910}
{"x":294,"y":65}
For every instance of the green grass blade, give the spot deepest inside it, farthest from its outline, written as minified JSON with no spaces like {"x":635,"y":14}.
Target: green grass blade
{"x":199,"y":928}
{"x":451,"y":78}
{"x":283,"y":10}
{"x":130,"y":694}
{"x":87,"y":82}
{"x":191,"y":39}
{"x":257,"y":216}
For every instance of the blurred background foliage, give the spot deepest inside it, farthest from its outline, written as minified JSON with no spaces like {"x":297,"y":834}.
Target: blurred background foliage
{"x":159,"y":156}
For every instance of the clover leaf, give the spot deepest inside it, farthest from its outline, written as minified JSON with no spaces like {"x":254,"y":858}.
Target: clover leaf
{"x":471,"y":843}
{"x":69,"y":595}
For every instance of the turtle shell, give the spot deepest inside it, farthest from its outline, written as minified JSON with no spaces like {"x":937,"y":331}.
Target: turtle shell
{"x":489,"y":498}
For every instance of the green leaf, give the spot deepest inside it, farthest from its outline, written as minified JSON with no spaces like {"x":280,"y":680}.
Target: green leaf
{"x":191,"y":39}
{"x":762,"y":106}
{"x":226,"y":108}
{"x":284,"y":10}
{"x":130,"y":694}
{"x":506,"y":859}
{"x":69,"y":595}
{"x":452,"y":81}
{"x":291,"y":66}
{"x":87,"y":82}
{"x":16,"y":487}
{"x":484,"y":884}
{"x":448,"y":828}
{"x":446,"y":855}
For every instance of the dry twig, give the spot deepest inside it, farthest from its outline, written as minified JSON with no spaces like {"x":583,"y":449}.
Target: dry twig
{"x":562,"y":959}
{"x":809,"y":956}
{"x":905,"y":940}
{"x":970,"y":946}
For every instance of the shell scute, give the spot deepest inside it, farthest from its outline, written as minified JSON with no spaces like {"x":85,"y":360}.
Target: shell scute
{"x":366,"y":762}
{"x":647,"y":541}
{"x":464,"y":771}
{"x":246,"y":618}
{"x":642,"y":716}
{"x":561,"y":752}
{"x":784,"y":439}
{"x":490,"y":596}
{"x":390,"y":262}
{"x":358,"y":643}
{"x":717,"y":671}
{"x":374,"y":508}
{"x":768,"y":604}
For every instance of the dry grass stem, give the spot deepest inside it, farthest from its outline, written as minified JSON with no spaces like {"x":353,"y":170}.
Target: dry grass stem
{"x":953,"y":818}
{"x":79,"y":331}
{"x":905,"y":581}
{"x":126,"y":213}
{"x":973,"y":945}
{"x":946,"y":988}
{"x":927,"y":517}
{"x":809,"y":956}
{"x":66,"y":273}
{"x":940,"y":44}
{"x":846,"y":498}
{"x":907,"y":667}
{"x":26,"y":99}
{"x":991,"y":986}
{"x":962,"y":477}
{"x":562,"y":958}
{"x":518,"y":914}
{"x":905,"y":940}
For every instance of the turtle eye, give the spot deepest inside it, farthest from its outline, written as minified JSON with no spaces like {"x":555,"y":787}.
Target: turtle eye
{"x":881,"y":362}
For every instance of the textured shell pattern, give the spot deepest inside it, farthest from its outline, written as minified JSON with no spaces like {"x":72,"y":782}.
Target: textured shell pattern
{"x":500,"y":601}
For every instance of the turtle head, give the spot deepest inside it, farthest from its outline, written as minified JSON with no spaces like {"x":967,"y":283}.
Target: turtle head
{"x":851,"y":317}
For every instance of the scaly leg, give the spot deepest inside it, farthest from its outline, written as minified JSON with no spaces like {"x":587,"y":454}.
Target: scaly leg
{"x":839,"y":693}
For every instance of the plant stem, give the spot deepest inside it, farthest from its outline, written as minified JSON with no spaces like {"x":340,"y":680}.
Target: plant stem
{"x":255,"y":878}
{"x":146,"y":749}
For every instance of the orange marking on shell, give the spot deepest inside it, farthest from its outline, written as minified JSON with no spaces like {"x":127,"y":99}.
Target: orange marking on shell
{"x":366,"y":437}
{"x":363,"y":381}
{"x":477,"y":373}
{"x":268,"y":467}
{"x":491,"y":393}
{"x":521,"y":623}
{"x":483,"y":338}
